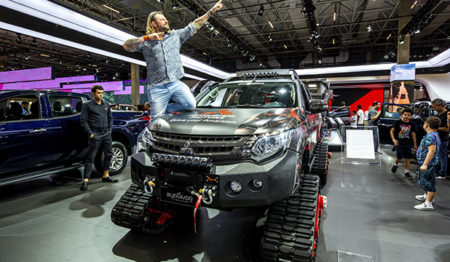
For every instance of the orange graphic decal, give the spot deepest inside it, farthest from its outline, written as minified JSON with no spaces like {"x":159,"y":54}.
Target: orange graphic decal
{"x":221,"y":112}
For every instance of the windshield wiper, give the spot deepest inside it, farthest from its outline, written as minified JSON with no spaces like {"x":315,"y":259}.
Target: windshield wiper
{"x":247,"y":106}
{"x":207,"y":106}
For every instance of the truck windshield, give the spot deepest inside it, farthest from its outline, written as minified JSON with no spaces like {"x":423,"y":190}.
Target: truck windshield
{"x":249,"y":94}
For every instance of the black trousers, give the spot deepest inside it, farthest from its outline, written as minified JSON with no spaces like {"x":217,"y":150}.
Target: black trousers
{"x":101,"y":142}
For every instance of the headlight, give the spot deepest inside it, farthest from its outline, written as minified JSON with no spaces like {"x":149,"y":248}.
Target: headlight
{"x":267,"y":145}
{"x":144,"y":139}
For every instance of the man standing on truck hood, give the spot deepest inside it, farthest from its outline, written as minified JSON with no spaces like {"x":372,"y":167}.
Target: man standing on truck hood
{"x":161,"y":48}
{"x":96,"y":120}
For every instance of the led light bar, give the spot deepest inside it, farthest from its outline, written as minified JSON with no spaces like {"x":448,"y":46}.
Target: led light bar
{"x":60,"y":15}
{"x":24,"y":75}
{"x":184,"y":161}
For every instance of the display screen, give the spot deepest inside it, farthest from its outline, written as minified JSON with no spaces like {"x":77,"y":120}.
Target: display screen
{"x":403,"y":72}
{"x":34,"y":74}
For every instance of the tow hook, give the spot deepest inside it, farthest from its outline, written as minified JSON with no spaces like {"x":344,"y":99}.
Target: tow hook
{"x":149,"y":184}
{"x":207,"y":193}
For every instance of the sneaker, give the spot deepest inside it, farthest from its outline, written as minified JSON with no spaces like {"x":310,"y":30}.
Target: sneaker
{"x":420,"y":198}
{"x":408,"y":176}
{"x":424,"y":207}
{"x":84,"y":186}
{"x":394,"y":168}
{"x":441,"y":177}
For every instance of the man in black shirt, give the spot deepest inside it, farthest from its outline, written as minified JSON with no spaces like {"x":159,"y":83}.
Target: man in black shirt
{"x":440,"y":106}
{"x":96,"y":120}
{"x":403,"y":135}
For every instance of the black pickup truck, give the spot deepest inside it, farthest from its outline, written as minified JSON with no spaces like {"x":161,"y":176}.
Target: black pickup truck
{"x":253,"y":140}
{"x":47,"y":137}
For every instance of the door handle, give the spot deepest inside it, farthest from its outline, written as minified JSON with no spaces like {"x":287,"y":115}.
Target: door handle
{"x":39,"y":130}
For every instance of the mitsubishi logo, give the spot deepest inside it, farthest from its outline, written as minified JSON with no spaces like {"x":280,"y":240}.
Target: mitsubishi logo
{"x":186,"y":149}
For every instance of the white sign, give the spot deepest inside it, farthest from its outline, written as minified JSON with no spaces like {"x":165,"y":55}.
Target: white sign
{"x":360,"y":144}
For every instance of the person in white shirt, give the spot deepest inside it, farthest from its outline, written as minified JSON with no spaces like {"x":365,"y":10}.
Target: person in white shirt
{"x":360,"y":115}
{"x":354,"y":119}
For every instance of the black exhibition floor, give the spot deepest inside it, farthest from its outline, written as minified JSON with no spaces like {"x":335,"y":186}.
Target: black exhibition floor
{"x":370,"y":217}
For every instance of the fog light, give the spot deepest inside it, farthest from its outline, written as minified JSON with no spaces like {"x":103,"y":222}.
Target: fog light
{"x":257,"y":183}
{"x":236,"y":187}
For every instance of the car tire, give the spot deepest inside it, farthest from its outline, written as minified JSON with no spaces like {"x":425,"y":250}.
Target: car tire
{"x":118,"y":160}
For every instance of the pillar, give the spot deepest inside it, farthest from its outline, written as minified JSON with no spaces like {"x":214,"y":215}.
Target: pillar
{"x":135,"y":95}
{"x":403,"y":50}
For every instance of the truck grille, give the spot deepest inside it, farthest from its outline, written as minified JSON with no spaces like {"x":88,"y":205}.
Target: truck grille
{"x":219,"y":148}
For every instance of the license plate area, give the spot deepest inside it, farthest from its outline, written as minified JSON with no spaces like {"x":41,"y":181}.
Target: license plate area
{"x":177,"y":196}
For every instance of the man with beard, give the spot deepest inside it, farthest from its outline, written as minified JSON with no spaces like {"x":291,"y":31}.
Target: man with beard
{"x":161,"y":48}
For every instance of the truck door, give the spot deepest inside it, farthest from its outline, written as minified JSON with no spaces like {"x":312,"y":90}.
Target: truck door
{"x":25,"y":137}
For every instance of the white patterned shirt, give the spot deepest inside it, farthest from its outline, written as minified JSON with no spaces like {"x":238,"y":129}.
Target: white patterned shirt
{"x":163,"y":56}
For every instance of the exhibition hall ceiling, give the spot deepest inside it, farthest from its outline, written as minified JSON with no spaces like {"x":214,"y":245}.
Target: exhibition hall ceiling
{"x":252,"y":34}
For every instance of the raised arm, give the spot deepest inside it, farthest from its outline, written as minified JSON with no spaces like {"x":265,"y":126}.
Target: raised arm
{"x":199,"y":22}
{"x":131,"y":44}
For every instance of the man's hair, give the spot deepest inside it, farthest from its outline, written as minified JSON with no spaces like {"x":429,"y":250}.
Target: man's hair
{"x":95,"y":88}
{"x":147,"y":104}
{"x":407,"y":110}
{"x":358,"y":107}
{"x":439,"y":102}
{"x":375,"y":103}
{"x":433,"y":122}
{"x":151,"y":17}
{"x":354,"y":112}
{"x":25,"y":103}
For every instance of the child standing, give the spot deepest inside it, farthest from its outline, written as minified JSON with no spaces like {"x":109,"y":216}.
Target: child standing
{"x":354,"y":119}
{"x":403,"y":135}
{"x":427,"y":159}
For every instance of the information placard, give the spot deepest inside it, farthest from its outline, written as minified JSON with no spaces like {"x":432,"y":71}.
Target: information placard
{"x":360,"y":144}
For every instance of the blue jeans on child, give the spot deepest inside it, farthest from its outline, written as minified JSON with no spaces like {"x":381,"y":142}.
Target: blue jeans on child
{"x":159,"y":97}
{"x":442,"y":155}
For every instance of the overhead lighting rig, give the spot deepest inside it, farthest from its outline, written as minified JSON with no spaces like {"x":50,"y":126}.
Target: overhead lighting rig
{"x":232,"y":42}
{"x":420,"y":19}
{"x":308,"y":10}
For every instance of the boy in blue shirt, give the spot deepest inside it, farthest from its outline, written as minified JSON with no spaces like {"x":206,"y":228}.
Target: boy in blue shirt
{"x":428,"y":161}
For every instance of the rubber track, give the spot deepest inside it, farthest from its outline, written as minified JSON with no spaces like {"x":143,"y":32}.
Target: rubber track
{"x":130,"y":209}
{"x":289,"y":230}
{"x":320,"y":165}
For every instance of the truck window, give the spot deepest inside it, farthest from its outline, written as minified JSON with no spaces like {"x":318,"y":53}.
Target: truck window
{"x":19,"y":108}
{"x":259,"y":94}
{"x":65,"y":105}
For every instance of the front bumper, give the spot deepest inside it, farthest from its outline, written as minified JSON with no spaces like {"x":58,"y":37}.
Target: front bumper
{"x":171,"y":182}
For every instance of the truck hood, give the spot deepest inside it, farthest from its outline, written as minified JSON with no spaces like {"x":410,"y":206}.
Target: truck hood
{"x":217,"y":121}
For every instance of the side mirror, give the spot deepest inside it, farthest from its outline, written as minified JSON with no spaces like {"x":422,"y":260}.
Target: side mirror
{"x":318,"y":106}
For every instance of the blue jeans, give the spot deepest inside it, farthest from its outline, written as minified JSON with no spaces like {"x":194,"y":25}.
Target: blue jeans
{"x":159,"y":97}
{"x":442,"y":155}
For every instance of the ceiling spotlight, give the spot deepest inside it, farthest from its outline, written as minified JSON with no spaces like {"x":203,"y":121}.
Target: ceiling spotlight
{"x":252,"y":58}
{"x":285,"y":46}
{"x":215,"y":33}
{"x":369,"y":28}
{"x":261,"y":64}
{"x":389,"y":36}
{"x":334,"y":16}
{"x":271,"y":25}
{"x":334,"y":41}
{"x":401,"y":40}
{"x":34,"y":43}
{"x":160,"y":1}
{"x":209,"y":26}
{"x":417,"y":31}
{"x":27,"y":57}
{"x":270,"y":39}
{"x":319,"y":49}
{"x":97,"y":70}
{"x":386,"y":56}
{"x":229,"y":44}
{"x":175,"y":4}
{"x":261,"y":11}
{"x":319,"y":61}
{"x":60,"y":62}
{"x":304,"y":10}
